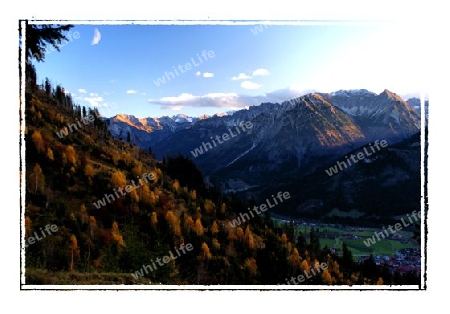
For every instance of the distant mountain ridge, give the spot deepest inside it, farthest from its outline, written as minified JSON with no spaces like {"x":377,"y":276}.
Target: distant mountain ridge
{"x":360,"y":104}
{"x":144,"y":131}
{"x":384,"y":115}
{"x":289,"y":140}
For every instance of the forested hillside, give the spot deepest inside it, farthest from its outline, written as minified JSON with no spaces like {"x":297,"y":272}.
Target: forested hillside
{"x":71,"y":174}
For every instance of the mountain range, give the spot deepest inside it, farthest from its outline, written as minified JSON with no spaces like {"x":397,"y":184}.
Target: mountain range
{"x":288,"y":141}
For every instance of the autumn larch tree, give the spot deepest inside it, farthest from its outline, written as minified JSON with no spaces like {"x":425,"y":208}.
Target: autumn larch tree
{"x":74,"y":250}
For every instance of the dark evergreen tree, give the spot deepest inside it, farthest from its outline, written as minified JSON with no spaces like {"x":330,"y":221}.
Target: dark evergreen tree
{"x":48,"y":87}
{"x":346,"y":261}
{"x":59,"y":94}
{"x":314,"y":242}
{"x":30,"y":73}
{"x":301,"y":242}
{"x":39,"y":36}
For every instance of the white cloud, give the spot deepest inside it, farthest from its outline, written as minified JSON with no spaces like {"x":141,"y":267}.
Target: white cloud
{"x":82,"y":91}
{"x":232,"y":100}
{"x":241,"y":76}
{"x":198,"y":73}
{"x":93,"y":94}
{"x":250,"y":85}
{"x":175,"y":108}
{"x":94,"y":101}
{"x":221,"y":100}
{"x":228,"y":100}
{"x":96,"y":38}
{"x":260,"y":72}
{"x":208,"y":74}
{"x":131,"y":91}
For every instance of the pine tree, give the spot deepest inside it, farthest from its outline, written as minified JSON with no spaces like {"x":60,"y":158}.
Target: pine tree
{"x":39,"y":36}
{"x":48,"y":87}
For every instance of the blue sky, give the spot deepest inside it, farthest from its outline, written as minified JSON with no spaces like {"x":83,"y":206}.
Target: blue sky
{"x":116,"y":67}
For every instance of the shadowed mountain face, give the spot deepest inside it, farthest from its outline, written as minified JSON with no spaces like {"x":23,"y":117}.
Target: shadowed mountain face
{"x":286,"y":141}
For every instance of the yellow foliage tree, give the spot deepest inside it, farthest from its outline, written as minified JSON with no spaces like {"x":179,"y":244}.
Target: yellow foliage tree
{"x":189,"y":223}
{"x":137,"y":169}
{"x":89,"y":171}
{"x":152,"y":197}
{"x":304,"y":265}
{"x":92,"y":226}
{"x":118,"y":179}
{"x":116,"y":234}
{"x":249,"y":238}
{"x":289,"y":246}
{"x":193,"y":195}
{"x":335,"y":267}
{"x":174,"y":269}
{"x":63,"y":159}
{"x":28,"y":226}
{"x":198,"y":213}
{"x":215,"y":244}
{"x":250,"y":265}
{"x":215,"y":228}
{"x":115,"y":158}
{"x":146,"y":196}
{"x":380,"y":281}
{"x":50,"y":154}
{"x":36,"y":180}
{"x":326,"y":276}
{"x":283,"y":238}
{"x":126,"y":157}
{"x":240,"y":234}
{"x":174,"y":223}
{"x":71,"y":154}
{"x":199,"y":227}
{"x":294,"y":259}
{"x":232,"y":234}
{"x":209,"y":206}
{"x":74,"y":249}
{"x":206,"y":254}
{"x":176,"y":185}
{"x":223,"y":208}
{"x":251,"y":242}
{"x":38,"y":141}
{"x":83,"y":214}
{"x":157,"y":192}
{"x":134,"y":196}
